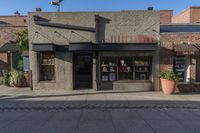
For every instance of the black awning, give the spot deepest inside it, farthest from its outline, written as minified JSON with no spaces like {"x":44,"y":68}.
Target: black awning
{"x":39,"y":47}
{"x":42,"y":47}
{"x":84,"y":46}
{"x":9,"y":47}
{"x":124,"y":47}
{"x":112,"y":47}
{"x":80,"y":47}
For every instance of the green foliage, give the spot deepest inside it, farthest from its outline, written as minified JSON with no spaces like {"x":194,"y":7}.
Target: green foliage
{"x":170,"y":75}
{"x":20,"y":65}
{"x":6,"y":78}
{"x":22,"y":40}
{"x":15,"y":77}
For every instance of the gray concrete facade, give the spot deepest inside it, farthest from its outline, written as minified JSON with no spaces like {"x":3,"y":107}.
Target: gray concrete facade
{"x":122,"y":26}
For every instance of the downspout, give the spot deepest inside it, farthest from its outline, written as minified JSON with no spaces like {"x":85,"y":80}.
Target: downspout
{"x":98,"y":84}
{"x":100,"y":26}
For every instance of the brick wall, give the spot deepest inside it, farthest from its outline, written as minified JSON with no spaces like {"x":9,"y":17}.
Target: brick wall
{"x":195,"y":15}
{"x":183,"y":17}
{"x":166,"y":16}
{"x":3,"y":61}
{"x":9,"y":25}
{"x":166,"y":50}
{"x":190,"y":15}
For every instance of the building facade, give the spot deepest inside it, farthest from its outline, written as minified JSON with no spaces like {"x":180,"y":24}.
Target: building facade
{"x":180,"y":48}
{"x":9,"y":26}
{"x":123,"y":50}
{"x":95,"y":50}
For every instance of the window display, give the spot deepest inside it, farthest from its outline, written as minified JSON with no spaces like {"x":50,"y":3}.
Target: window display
{"x":108,"y":68}
{"x":47,"y":66}
{"x":125,"y":68}
{"x":142,"y":67}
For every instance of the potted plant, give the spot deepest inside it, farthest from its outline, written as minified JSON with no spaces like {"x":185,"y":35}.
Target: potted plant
{"x":168,"y":82}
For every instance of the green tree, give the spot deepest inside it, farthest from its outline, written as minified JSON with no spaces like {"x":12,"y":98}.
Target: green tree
{"x":22,"y":40}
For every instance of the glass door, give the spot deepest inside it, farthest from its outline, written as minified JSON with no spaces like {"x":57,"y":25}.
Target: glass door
{"x":83,"y":71}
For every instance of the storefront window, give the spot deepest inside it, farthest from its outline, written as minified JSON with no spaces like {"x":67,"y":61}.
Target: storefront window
{"x":125,"y":68}
{"x":108,"y":68}
{"x":179,"y":67}
{"x":142,"y":68}
{"x":47,"y":66}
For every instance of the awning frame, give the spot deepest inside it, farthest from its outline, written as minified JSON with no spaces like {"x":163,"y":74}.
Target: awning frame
{"x":113,"y":46}
{"x":9,"y":48}
{"x":186,"y":49}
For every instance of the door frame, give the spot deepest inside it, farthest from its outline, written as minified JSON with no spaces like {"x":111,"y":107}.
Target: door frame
{"x":74,"y":69}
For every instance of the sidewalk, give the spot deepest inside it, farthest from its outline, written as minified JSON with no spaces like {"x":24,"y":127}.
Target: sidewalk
{"x":24,"y":98}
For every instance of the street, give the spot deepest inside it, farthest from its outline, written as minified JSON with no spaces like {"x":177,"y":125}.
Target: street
{"x":25,"y":111}
{"x":101,"y":121}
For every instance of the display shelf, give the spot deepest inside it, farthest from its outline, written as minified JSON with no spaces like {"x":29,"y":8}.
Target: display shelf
{"x":108,"y":69}
{"x":142,"y":71}
{"x":125,"y":68}
{"x":125,"y":72}
{"x":142,"y":68}
{"x":141,"y":65}
{"x":47,"y":64}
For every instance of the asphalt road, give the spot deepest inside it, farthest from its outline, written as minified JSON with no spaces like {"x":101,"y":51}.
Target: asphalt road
{"x":51,"y":111}
{"x":101,"y":121}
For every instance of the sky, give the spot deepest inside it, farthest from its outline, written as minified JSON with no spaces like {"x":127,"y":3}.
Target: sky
{"x":8,"y":7}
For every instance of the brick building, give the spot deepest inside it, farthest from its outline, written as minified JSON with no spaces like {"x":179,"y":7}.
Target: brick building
{"x":166,"y":16}
{"x":180,"y":41}
{"x":189,"y":15}
{"x":9,"y":25}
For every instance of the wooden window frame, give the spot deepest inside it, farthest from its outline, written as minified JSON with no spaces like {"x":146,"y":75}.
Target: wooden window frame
{"x":43,"y":75}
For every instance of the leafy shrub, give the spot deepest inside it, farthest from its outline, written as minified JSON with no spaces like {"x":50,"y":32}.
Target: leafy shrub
{"x":22,"y":40}
{"x":169,"y":75}
{"x":15,"y":77}
{"x":6,"y":78}
{"x":20,"y":65}
{"x":12,"y":78}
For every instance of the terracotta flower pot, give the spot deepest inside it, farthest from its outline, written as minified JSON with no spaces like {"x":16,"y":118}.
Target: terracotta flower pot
{"x":168,"y":86}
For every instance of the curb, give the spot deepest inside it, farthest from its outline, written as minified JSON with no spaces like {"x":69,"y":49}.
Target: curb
{"x":43,"y":107}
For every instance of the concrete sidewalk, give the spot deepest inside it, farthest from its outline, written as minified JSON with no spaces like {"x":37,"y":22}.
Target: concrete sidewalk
{"x":62,"y":95}
{"x":24,"y":98}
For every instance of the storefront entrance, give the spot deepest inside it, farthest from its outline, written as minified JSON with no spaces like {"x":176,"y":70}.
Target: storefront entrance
{"x":198,"y":69}
{"x":83,"y":71}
